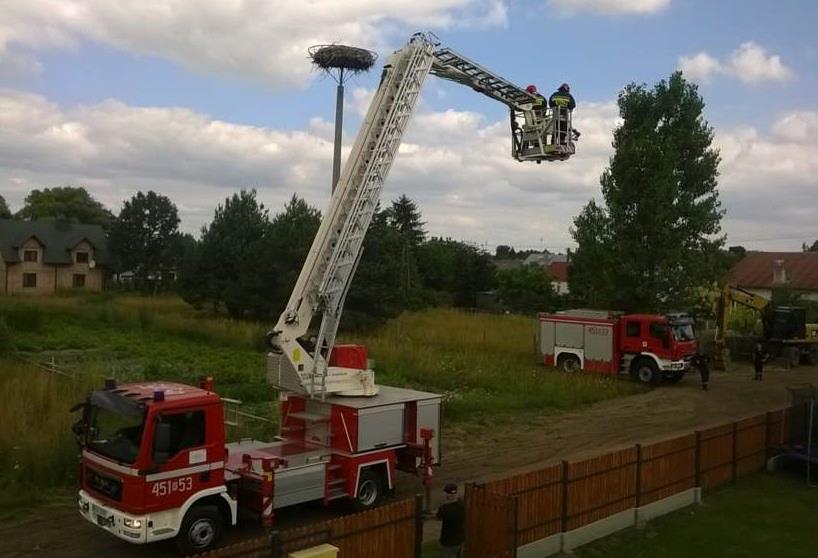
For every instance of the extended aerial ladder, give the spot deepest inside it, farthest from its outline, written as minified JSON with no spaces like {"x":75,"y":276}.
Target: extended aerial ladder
{"x":303,"y":366}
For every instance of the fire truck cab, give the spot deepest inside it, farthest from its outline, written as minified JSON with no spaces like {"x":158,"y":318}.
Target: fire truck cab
{"x":649,"y":347}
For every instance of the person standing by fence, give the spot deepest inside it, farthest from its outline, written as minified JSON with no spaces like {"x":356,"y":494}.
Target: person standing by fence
{"x":452,"y":515}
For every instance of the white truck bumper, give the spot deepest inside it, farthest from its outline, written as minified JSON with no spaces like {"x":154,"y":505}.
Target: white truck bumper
{"x":131,"y":528}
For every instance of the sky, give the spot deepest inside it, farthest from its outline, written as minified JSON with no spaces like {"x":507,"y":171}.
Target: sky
{"x":196,"y":99}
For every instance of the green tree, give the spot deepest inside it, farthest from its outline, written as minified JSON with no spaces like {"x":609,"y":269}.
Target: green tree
{"x":5,"y":213}
{"x":504,"y":252}
{"x":660,"y":223}
{"x":65,"y":203}
{"x":404,"y":216}
{"x":291,"y":235}
{"x":526,"y":289}
{"x":232,"y":247}
{"x":455,"y":270}
{"x":814,"y":247}
{"x":141,"y":238}
{"x":376,"y":293}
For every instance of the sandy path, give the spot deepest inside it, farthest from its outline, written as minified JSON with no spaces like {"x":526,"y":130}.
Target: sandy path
{"x":476,"y":453}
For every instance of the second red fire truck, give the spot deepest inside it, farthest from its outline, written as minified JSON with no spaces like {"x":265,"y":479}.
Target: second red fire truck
{"x":649,"y":347}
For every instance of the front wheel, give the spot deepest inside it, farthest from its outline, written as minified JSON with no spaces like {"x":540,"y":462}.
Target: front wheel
{"x":647,"y":372}
{"x":201,"y":530}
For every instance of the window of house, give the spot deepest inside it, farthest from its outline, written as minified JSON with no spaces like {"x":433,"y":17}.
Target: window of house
{"x":187,"y":430}
{"x":30,"y":256}
{"x":29,"y":280}
{"x":79,"y":280}
{"x":82,"y":257}
{"x":632,"y":329}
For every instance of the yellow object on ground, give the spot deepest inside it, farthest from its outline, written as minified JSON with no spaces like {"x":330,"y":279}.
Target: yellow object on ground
{"x":320,"y":551}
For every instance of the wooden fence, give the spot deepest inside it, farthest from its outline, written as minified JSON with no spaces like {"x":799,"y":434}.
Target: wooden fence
{"x":394,"y":530}
{"x":573,"y":494}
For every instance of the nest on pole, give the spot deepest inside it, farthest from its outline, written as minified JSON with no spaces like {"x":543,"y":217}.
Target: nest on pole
{"x":342,"y":57}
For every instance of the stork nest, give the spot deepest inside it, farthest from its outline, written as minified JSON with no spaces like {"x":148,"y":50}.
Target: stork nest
{"x":342,"y":57}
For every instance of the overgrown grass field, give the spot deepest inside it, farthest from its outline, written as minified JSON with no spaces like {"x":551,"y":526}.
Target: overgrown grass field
{"x":484,"y":365}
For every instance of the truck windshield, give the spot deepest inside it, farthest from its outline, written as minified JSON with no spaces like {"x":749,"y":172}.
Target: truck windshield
{"x":683,"y":332}
{"x":114,"y":428}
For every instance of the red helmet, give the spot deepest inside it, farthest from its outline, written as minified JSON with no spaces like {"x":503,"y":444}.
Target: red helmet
{"x":531,"y":89}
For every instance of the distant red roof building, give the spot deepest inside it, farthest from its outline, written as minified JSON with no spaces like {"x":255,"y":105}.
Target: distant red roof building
{"x":558,"y":271}
{"x":756,"y":270}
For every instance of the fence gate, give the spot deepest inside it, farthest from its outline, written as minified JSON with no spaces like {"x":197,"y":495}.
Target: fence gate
{"x":491,"y":523}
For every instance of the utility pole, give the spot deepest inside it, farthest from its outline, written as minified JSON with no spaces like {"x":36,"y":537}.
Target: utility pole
{"x":340,"y":62}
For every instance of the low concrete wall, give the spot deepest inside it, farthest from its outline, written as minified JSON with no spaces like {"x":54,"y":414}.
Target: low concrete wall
{"x":667,"y":505}
{"x":598,"y":529}
{"x":543,"y":547}
{"x":564,"y":542}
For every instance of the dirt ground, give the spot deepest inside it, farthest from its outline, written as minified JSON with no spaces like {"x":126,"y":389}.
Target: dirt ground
{"x":474,"y":453}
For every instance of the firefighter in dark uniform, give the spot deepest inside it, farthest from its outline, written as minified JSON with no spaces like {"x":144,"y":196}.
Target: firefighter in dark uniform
{"x":759,"y":356}
{"x":562,"y":100}
{"x":701,"y":363}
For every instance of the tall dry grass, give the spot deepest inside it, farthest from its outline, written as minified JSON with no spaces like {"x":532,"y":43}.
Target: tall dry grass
{"x":37,"y":450}
{"x":484,"y":364}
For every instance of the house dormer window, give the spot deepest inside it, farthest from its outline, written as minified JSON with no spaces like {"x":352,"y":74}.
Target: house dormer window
{"x":30,"y":256}
{"x":82,"y":257}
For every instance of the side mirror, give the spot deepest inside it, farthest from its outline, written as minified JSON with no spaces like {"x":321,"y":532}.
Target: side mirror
{"x":161,"y":443}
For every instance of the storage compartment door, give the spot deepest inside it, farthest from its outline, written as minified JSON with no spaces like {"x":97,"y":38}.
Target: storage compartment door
{"x":599,"y":353}
{"x":546,"y":341}
{"x":380,"y":427}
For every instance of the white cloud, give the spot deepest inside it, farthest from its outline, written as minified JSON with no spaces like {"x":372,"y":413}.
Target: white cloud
{"x":455,"y":163}
{"x":604,"y":7}
{"x":699,"y":67}
{"x":264,"y":40}
{"x":769,"y":181}
{"x":749,"y":63}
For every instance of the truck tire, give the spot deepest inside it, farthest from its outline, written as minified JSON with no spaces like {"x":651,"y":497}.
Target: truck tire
{"x":370,"y":489}
{"x":646,"y":371}
{"x":201,"y":530}
{"x":569,"y":363}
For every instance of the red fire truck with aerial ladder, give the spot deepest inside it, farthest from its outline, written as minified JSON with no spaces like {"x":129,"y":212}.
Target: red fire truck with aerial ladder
{"x":155,"y":462}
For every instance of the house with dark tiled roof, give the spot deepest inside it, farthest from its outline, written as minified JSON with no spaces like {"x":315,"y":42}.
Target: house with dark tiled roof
{"x":759,"y":272}
{"x":43,"y":257}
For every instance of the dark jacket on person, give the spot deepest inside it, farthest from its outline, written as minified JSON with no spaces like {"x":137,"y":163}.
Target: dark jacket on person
{"x":758,"y":358}
{"x":453,"y":517}
{"x":562,"y":99}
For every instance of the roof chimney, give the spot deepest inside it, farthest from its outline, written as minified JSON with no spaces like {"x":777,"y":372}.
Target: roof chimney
{"x":779,"y":273}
